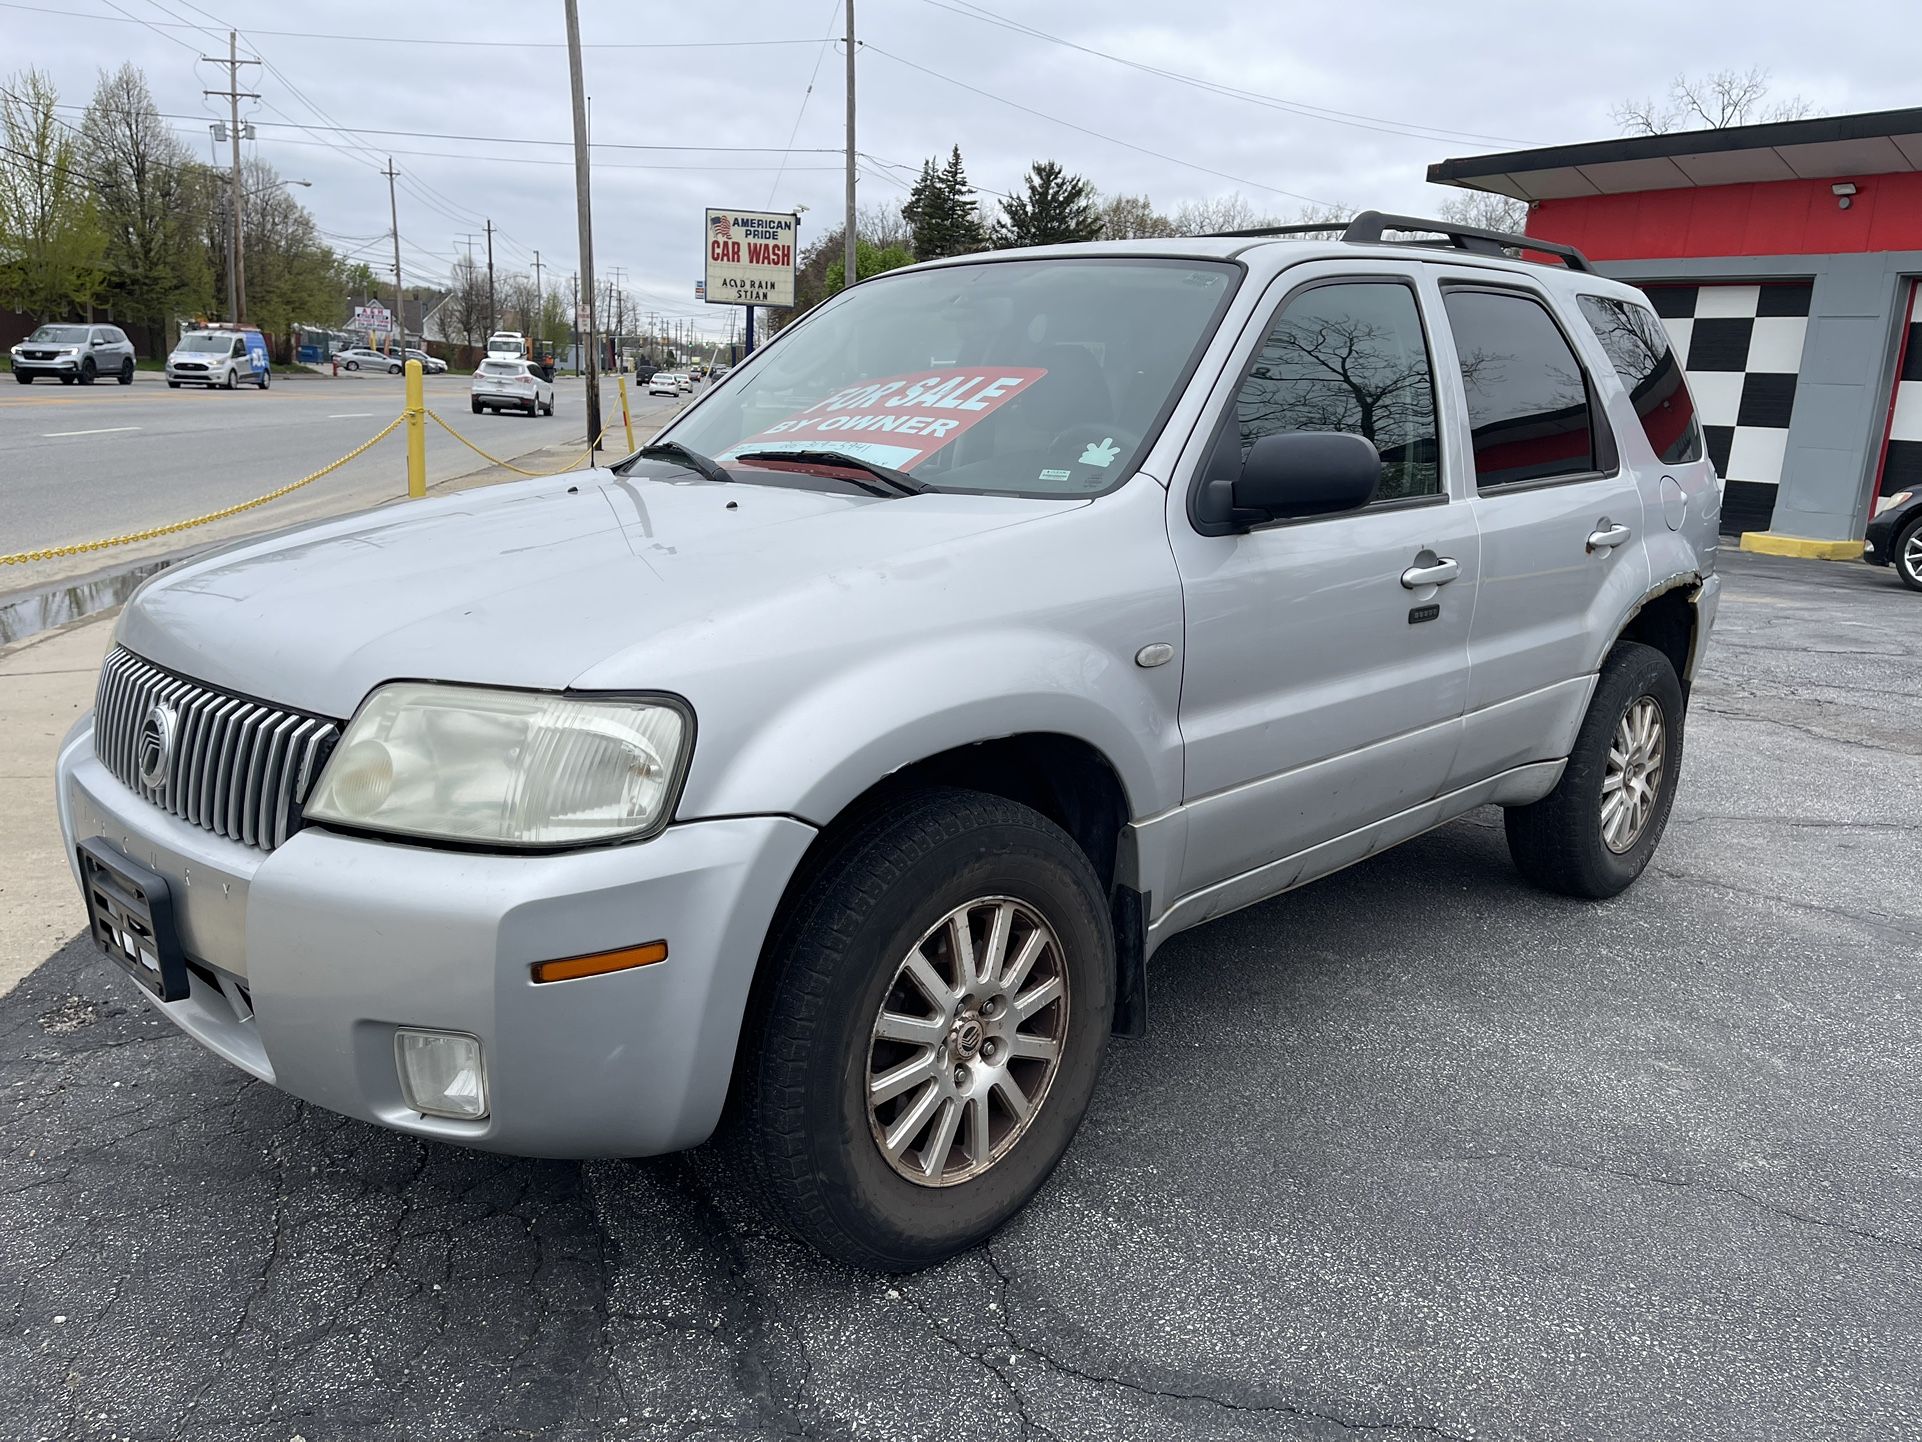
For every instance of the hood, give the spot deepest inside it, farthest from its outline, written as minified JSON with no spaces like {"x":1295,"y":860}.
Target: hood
{"x":533,"y":584}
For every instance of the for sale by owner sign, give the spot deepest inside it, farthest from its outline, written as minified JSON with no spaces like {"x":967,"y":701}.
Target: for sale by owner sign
{"x":750,"y":258}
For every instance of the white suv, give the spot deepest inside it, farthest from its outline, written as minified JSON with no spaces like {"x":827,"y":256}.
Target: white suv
{"x":71,"y":353}
{"x":831,"y":768}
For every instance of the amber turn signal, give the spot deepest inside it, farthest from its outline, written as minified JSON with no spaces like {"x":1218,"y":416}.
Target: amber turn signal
{"x":601,"y":962}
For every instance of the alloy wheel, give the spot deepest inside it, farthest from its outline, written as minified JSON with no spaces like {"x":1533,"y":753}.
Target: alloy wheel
{"x":1910,"y":558}
{"x":967,"y":1041}
{"x":1632,"y":783}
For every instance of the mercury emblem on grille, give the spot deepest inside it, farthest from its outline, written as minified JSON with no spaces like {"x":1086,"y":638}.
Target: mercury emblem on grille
{"x":156,"y":754}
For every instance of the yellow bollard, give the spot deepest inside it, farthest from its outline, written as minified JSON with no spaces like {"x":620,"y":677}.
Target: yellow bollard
{"x":416,"y":434}
{"x":626,"y":419}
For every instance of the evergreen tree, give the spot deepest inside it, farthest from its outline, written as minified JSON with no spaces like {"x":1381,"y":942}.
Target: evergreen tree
{"x":1057,"y":209}
{"x":942,"y":213}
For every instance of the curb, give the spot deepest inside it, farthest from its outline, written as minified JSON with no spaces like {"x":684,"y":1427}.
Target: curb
{"x":1768,"y":543}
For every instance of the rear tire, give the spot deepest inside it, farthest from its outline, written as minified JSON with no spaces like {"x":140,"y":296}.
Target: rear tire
{"x":477,"y":407}
{"x":1907,"y":560}
{"x":352,"y":365}
{"x":959,"y":1045}
{"x":1574,"y":841}
{"x":393,"y":370}
{"x":266,"y":379}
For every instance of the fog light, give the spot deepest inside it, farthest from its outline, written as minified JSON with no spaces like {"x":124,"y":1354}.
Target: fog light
{"x":441,"y":1073}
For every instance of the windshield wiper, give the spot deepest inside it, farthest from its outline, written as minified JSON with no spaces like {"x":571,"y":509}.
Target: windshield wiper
{"x":706,"y":467}
{"x":903,"y":483}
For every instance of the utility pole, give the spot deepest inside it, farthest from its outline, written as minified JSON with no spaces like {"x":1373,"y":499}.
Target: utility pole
{"x":540,"y":295}
{"x":493,"y":314}
{"x":233,"y":95}
{"x":574,"y":315}
{"x":584,"y":203}
{"x":619,"y":273}
{"x":848,"y":274}
{"x":393,"y":214}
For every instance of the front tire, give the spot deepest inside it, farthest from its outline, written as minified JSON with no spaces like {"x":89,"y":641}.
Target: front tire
{"x":87,"y":373}
{"x":126,"y":373}
{"x":931,"y":1033}
{"x":1596,"y":831}
{"x":1908,"y":555}
{"x":232,"y":382}
{"x":23,"y":377}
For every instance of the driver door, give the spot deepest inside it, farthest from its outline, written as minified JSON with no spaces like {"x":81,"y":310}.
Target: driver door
{"x":1326,"y":668}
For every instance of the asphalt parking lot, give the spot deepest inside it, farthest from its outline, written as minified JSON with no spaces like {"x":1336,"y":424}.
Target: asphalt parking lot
{"x":1414,"y":1153}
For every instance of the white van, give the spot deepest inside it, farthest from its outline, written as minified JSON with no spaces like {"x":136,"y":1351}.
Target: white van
{"x":508,"y":343}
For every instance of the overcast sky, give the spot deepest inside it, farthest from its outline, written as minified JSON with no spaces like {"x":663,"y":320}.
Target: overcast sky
{"x":1433,"y":81}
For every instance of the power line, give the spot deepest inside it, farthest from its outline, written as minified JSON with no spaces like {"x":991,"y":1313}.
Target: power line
{"x":418,"y":40}
{"x":819,"y":55}
{"x":1111,"y":139}
{"x":971,"y":11}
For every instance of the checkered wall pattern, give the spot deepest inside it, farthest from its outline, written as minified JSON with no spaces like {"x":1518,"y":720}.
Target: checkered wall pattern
{"x":1902,"y":461}
{"x":1742,"y":348}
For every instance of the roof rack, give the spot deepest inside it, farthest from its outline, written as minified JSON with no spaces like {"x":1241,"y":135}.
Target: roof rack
{"x":1367,"y":228}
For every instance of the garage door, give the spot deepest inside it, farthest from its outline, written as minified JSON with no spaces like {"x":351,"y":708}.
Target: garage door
{"x":1742,"y":348}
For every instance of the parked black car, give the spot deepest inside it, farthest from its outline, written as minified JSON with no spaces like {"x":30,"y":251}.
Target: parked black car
{"x":1895,"y":538}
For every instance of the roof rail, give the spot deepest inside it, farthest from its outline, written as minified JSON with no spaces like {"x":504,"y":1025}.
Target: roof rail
{"x":1259,"y":231}
{"x":1367,"y":229}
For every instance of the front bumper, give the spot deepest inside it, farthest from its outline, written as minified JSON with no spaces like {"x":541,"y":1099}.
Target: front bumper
{"x":68,"y":367}
{"x":305,"y":961}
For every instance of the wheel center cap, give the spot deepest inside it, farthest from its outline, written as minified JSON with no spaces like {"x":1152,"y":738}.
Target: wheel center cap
{"x":967,"y":1037}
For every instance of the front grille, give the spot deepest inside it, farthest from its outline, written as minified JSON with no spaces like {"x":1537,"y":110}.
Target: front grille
{"x":189,"y":366}
{"x":238,"y":767}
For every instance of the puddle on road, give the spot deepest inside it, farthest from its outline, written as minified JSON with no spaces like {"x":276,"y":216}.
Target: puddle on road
{"x":36,"y":611}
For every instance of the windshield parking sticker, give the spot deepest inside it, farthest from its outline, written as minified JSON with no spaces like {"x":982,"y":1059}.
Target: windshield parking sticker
{"x":917,"y":413}
{"x":1101,"y":452}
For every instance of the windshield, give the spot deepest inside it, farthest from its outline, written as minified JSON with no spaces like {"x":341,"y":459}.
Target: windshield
{"x":60,"y":334}
{"x":1023,"y":376}
{"x":206,"y":344}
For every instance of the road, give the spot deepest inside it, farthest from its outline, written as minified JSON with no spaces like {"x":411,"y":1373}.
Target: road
{"x":86,"y":462}
{"x":1415,"y":1153}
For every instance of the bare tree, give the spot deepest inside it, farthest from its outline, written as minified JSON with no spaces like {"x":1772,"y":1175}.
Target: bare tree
{"x":1709,"y":102}
{"x":1133,"y":217}
{"x":52,"y":243}
{"x":1484,"y":210}
{"x":464,"y":317}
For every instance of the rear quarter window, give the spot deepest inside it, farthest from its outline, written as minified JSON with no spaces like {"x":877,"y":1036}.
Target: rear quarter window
{"x":1529,"y":408}
{"x":1638,"y":347}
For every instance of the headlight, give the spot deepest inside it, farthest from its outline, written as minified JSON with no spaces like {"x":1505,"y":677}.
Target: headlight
{"x":505,"y":768}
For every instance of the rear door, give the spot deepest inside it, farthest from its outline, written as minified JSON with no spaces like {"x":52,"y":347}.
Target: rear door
{"x":1326,"y":659}
{"x":1559,"y":512}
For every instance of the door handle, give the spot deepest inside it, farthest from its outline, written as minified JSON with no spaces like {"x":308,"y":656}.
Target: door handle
{"x":1439,"y":574}
{"x":1607,"y":537}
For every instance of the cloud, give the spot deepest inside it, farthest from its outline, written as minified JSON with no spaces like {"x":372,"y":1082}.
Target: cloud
{"x":1428,"y":69}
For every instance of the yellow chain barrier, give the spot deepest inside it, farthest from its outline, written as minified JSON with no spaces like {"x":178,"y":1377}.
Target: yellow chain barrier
{"x":434,"y":416}
{"x":82,"y":547}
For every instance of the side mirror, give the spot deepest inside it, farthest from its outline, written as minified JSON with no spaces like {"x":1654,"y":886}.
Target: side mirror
{"x":1306,"y":473}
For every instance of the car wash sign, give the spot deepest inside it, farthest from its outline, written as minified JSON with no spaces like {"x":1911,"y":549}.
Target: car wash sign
{"x":750,"y":258}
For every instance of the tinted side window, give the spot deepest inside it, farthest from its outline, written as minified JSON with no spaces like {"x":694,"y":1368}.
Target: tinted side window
{"x":1528,"y":403}
{"x":1637,"y":346}
{"x":1350,"y":357}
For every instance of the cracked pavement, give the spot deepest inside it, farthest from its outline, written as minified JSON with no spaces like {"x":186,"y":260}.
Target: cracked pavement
{"x":1414,"y":1153}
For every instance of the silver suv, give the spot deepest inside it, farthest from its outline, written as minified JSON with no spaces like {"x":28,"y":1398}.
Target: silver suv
{"x":70,"y":353}
{"x":829,"y":771}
